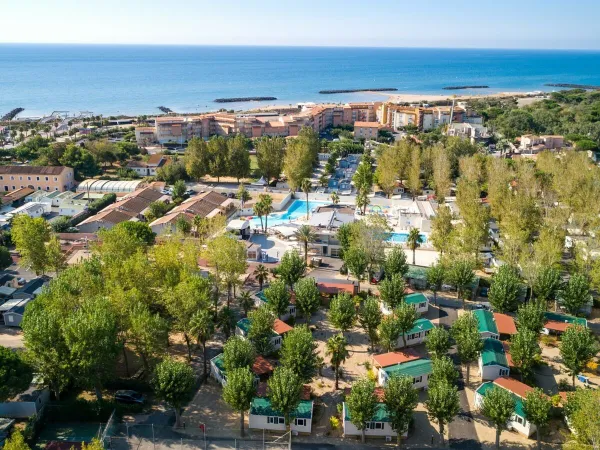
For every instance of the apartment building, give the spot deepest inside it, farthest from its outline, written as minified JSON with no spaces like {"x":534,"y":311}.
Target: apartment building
{"x":366,"y":130}
{"x":531,"y":143}
{"x":39,"y":178}
{"x":424,"y":118}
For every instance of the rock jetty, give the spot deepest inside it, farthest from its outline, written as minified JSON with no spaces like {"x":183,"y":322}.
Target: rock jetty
{"x":349,"y":91}
{"x":244,"y":99}
{"x":573,"y":86}
{"x":456,"y":88}
{"x":165,"y":109}
{"x":12,"y":114}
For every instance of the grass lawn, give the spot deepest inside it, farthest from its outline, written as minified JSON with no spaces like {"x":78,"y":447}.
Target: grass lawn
{"x":253,"y":163}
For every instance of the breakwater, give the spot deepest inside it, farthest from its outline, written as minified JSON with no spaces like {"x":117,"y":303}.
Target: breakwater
{"x":574,"y":86}
{"x":12,"y":114}
{"x":456,"y":88}
{"x":243,"y":99}
{"x":350,"y":91}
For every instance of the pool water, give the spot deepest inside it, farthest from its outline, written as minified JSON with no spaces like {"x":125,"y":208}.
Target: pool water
{"x":400,"y":238}
{"x":296,"y":210}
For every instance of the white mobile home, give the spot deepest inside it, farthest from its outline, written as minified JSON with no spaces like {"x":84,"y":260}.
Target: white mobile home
{"x":493,"y":362}
{"x":280,"y":328}
{"x":264,"y":417}
{"x":418,"y":334}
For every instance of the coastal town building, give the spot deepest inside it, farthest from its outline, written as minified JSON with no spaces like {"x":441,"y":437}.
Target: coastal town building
{"x":558,"y":323}
{"x":422,"y":117}
{"x":109,"y":187}
{"x":366,"y":130}
{"x":39,"y":178}
{"x":472,"y":132}
{"x":261,"y":299}
{"x":417,"y":299}
{"x":263,"y":417}
{"x":402,"y":363}
{"x":148,"y":168}
{"x":532,"y":144}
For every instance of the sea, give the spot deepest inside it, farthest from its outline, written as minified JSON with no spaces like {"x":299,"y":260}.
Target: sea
{"x":134,"y":80}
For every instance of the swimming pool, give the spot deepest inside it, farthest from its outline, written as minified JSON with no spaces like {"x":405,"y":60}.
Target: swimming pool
{"x":400,"y":238}
{"x":296,"y":210}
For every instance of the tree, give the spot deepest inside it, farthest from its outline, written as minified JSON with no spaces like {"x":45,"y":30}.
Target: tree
{"x":30,"y":236}
{"x":342,"y":312}
{"x":575,"y":293}
{"x":15,"y":375}
{"x":531,"y":316}
{"x":400,"y":399}
{"x":226,"y":321}
{"x":178,"y":190}
{"x":278,"y":298}
{"x":406,"y":315}
{"x":261,"y":329}
{"x":362,"y":201}
{"x":197,"y":158}
{"x":389,"y":333}
{"x":546,"y":284}
{"x":308,"y":297}
{"x":442,"y":229}
{"x":395,"y":262}
{"x":388,"y":170}
{"x":239,"y":157}
{"x":577,"y":347}
{"x":261,"y":274}
{"x":56,"y":259}
{"x":298,"y":163}
{"x":438,"y":342}
{"x":357,"y":263}
{"x":441,"y":173}
{"x":442,"y":405}
{"x":298,"y":352}
{"x":414,"y":173}
{"x":229,"y":257}
{"x":81,"y":160}
{"x":238,"y":353}
{"x":305,"y":235}
{"x":362,"y":403}
{"x":239,"y":391}
{"x":582,"y":411}
{"x":155,"y":210}
{"x":461,"y":275}
{"x":285,"y":388}
{"x":291,"y":268}
{"x":336,"y":349}
{"x":270,"y":154}
{"x":246,"y":302}
{"x":537,"y":406}
{"x":369,"y":317}
{"x":443,"y":370}
{"x":5,"y":258}
{"x":436,"y":275}
{"x":392,"y":291}
{"x":16,"y":441}
{"x":498,"y":406}
{"x":242,"y":194}
{"x":139,"y":232}
{"x":202,"y":325}
{"x":414,"y":241}
{"x":218,"y":151}
{"x":525,"y":351}
{"x":91,"y":335}
{"x":465,"y":331}
{"x":306,"y":186}
{"x":335,"y":198}
{"x":505,"y":290}
{"x":174,"y":382}
{"x":147,"y":333}
{"x":266,"y":202}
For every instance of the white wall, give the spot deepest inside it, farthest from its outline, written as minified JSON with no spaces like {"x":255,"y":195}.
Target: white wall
{"x":351,"y":430}
{"x":382,"y":378}
{"x":260,"y":423}
{"x":419,"y":339}
{"x":487,"y":334}
{"x":492,"y":372}
{"x":526,"y":429}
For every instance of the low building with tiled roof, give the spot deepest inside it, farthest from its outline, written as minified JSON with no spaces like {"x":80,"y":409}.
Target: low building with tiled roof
{"x":493,"y":362}
{"x":330,"y":287}
{"x":280,"y":328}
{"x":518,"y":421}
{"x":505,"y":324}
{"x":391,"y":358}
{"x":38,"y":178}
{"x":558,"y":323}
{"x":412,"y":366}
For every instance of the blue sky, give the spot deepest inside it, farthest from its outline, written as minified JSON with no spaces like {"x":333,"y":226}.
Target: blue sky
{"x":549,"y":24}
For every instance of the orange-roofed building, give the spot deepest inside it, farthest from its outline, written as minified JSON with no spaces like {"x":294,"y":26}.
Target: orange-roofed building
{"x":392,"y":358}
{"x":505,"y":325}
{"x":366,"y":130}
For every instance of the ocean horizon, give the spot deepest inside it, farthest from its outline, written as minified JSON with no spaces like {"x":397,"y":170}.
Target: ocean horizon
{"x":136,"y":79}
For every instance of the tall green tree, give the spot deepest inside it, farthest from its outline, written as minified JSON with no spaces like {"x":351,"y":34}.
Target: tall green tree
{"x":575,"y":293}
{"x":414,"y":241}
{"x":442,"y":405}
{"x":202,"y":325}
{"x":400,"y":399}
{"x":270,"y":152}
{"x":174,"y":383}
{"x":226,"y":321}
{"x":238,"y":157}
{"x":298,"y":352}
{"x":436,"y":275}
{"x":357,"y":263}
{"x":291,"y":267}
{"x":15,"y":374}
{"x":369,"y":318}
{"x":229,"y":257}
{"x":461,"y":276}
{"x":305,"y":235}
{"x":246,"y":302}
{"x":306,"y":186}
{"x":395,"y":262}
{"x":278,"y":298}
{"x":342,"y":312}
{"x":336,"y":349}
{"x":261,"y":329}
{"x":197,"y":158}
{"x":5,"y":258}
{"x":308,"y":297}
{"x":30,"y":236}
{"x":361,"y":404}
{"x":438,"y":342}
{"x":239,"y":391}
{"x":261,"y":274}
{"x":218,"y":164}
{"x":547,"y":284}
{"x":147,"y":333}
{"x":525,"y":351}
{"x":530,"y":316}
{"x":285,"y":388}
{"x":389,"y":333}
{"x":505,"y":289}
{"x":442,"y":230}
{"x":537,"y":408}
{"x":577,"y":347}
{"x":238,"y":353}
{"x":392,"y":290}
{"x":465,"y":331}
{"x":498,"y":406}
{"x":298,"y":163}
{"x":443,"y":371}
{"x":406,"y":315}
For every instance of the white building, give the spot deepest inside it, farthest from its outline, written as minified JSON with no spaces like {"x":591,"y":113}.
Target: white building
{"x":417,"y":299}
{"x":493,"y":362}
{"x":280,"y":328}
{"x":261,"y":368}
{"x":403,"y":364}
{"x":418,"y":334}
{"x":518,"y":422}
{"x":263,"y":417}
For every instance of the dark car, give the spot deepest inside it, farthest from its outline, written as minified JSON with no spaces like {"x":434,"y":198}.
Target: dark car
{"x":377,"y":276}
{"x":128,"y":396}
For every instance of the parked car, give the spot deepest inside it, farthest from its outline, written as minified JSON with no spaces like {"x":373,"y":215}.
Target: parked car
{"x":190,"y":192}
{"x":377,"y":276}
{"x":128,"y":396}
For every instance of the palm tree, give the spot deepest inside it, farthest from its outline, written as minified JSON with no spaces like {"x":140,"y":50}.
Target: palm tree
{"x":337,"y":351}
{"x":259,"y":210}
{"x":335,"y":198}
{"x":305,"y":186}
{"x":226,"y":322}
{"x":261,"y":274}
{"x":414,"y":241}
{"x":246,"y":302}
{"x":305,"y":235}
{"x":267,"y":206}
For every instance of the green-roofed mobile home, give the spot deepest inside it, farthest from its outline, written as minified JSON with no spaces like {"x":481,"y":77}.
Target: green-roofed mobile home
{"x":418,"y":334}
{"x":279,"y":329}
{"x":492,"y":360}
{"x":419,"y":300}
{"x":264,"y":417}
{"x":261,"y":299}
{"x":378,"y":427}
{"x":417,"y":369}
{"x":487,"y":324}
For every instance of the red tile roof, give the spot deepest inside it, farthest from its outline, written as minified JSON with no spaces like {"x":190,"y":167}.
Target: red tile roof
{"x":280,"y":327}
{"x":514,"y":386}
{"x":330,"y":287}
{"x":261,"y":366}
{"x":509,"y":359}
{"x":392,"y":358}
{"x":505,"y":324}
{"x":557,"y":326}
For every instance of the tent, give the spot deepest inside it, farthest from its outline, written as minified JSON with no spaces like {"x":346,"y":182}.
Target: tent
{"x":261,"y":182}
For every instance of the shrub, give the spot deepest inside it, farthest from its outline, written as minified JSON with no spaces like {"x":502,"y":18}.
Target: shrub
{"x":556,"y":399}
{"x":548,"y":341}
{"x":592,"y":366}
{"x":564,"y":385}
{"x":334,"y":422}
{"x":372,"y":375}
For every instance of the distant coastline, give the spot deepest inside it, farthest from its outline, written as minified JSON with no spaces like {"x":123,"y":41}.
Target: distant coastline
{"x":244,"y":99}
{"x":351,"y":91}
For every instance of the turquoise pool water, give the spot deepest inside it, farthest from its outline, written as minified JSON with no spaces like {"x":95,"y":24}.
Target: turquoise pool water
{"x":400,"y":238}
{"x":296,"y":209}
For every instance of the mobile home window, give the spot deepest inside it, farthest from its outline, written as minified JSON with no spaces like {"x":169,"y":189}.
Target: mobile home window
{"x":422,"y":305}
{"x":301,"y":422}
{"x":275,"y":420}
{"x":375,"y":425}
{"x":417,"y":379}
